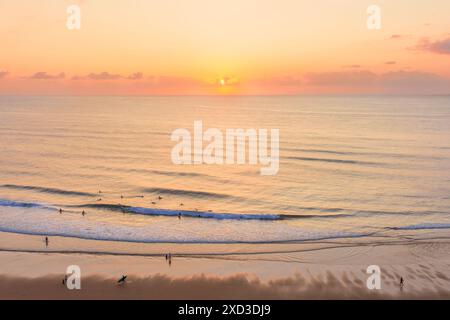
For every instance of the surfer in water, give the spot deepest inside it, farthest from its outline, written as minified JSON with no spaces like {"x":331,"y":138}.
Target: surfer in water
{"x":122,"y":280}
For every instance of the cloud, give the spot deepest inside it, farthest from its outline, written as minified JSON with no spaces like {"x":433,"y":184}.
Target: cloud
{"x":109,"y":76}
{"x":45,"y":76}
{"x":414,"y":82}
{"x":352,"y":78}
{"x":136,"y":76}
{"x":441,"y":47}
{"x":3,"y":74}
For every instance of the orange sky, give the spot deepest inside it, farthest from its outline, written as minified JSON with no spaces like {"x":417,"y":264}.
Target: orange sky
{"x":224,"y":47}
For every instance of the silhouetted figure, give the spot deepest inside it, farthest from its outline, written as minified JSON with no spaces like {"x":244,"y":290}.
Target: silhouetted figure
{"x":64,"y":281}
{"x":159,"y":198}
{"x":99,"y":191}
{"x":179,"y":216}
{"x":153,"y":202}
{"x":60,"y":211}
{"x":122,"y":280}
{"x":46,"y":241}
{"x":181,"y":204}
{"x":99,"y":199}
{"x":83,"y":213}
{"x":167,"y":257}
{"x":402,"y":283}
{"x":121,"y":196}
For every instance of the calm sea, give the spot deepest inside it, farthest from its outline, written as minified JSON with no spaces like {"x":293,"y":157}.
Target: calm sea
{"x":349,"y":167}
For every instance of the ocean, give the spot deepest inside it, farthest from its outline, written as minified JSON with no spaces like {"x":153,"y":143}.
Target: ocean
{"x":366,"y":167}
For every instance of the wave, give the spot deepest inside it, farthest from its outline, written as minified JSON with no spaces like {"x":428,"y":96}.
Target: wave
{"x":48,"y":190}
{"x":344,"y":161}
{"x":328,"y":213}
{"x":9,"y":203}
{"x":182,"y":213}
{"x":188,"y":193}
{"x":424,"y":226}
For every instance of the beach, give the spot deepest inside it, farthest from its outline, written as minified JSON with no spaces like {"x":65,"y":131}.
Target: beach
{"x":356,"y":187}
{"x":330,"y":270}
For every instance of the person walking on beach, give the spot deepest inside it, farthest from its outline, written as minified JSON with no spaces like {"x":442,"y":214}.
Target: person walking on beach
{"x":46,"y":241}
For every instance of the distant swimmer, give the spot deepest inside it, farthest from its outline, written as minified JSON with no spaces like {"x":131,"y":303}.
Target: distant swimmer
{"x":181,"y":204}
{"x":46,"y":241}
{"x":179,"y":215}
{"x":99,"y":191}
{"x":122,"y":280}
{"x":121,"y":196}
{"x":153,"y":202}
{"x":83,"y":213}
{"x":159,"y":198}
{"x":99,"y":199}
{"x":209,"y":210}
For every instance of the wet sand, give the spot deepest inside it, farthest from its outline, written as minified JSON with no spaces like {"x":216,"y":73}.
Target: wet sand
{"x":320,"y":270}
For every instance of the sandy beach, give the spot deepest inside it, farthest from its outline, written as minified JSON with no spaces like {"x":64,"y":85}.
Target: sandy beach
{"x":327,"y":270}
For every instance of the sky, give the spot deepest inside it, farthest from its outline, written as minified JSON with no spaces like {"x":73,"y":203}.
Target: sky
{"x":233,"y":47}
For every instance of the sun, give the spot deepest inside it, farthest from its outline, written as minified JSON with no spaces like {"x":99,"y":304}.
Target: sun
{"x":222,"y":82}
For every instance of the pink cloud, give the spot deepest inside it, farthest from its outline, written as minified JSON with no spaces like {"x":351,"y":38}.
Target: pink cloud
{"x":136,"y":76}
{"x":3,"y":74}
{"x":45,"y":76}
{"x":350,"y":78}
{"x":408,"y":82}
{"x":442,"y":46}
{"x":109,"y":76}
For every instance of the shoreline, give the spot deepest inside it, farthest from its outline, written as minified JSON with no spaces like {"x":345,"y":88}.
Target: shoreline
{"x":324,"y":270}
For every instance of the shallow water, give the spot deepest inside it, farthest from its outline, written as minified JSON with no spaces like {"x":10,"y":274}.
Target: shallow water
{"x":349,"y":167}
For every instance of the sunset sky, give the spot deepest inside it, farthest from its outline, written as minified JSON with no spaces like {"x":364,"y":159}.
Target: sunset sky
{"x":176,"y":47}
